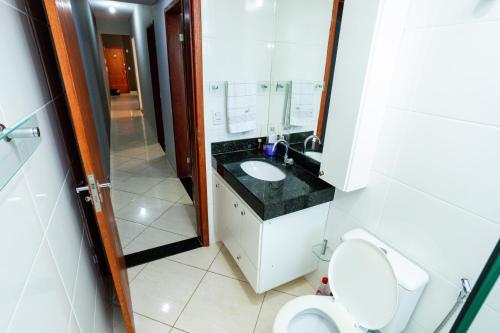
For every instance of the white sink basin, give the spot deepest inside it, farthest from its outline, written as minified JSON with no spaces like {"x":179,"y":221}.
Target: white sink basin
{"x":262,"y":171}
{"x":315,"y":155}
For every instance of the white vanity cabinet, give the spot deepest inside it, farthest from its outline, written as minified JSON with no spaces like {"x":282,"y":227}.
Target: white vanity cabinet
{"x":272,"y":252}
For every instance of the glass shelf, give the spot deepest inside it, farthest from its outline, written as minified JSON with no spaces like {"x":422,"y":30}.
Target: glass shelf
{"x":322,"y":251}
{"x":15,"y":151}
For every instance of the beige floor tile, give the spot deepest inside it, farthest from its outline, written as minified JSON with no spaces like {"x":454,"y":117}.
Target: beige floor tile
{"x":128,"y":231}
{"x":221,"y":304}
{"x":138,"y":184}
{"x":179,"y":219}
{"x":132,"y":272}
{"x":144,"y":210}
{"x":185,"y":200}
{"x":121,"y":199}
{"x":224,"y":264}
{"x":147,"y":325}
{"x":152,"y":237}
{"x":273,"y":302}
{"x":163,"y":288}
{"x":298,"y":287}
{"x":176,"y":330}
{"x":170,"y":189}
{"x":201,"y":257}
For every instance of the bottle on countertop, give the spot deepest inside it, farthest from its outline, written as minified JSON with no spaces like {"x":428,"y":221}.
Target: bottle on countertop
{"x":324,"y":288}
{"x":260,"y":146}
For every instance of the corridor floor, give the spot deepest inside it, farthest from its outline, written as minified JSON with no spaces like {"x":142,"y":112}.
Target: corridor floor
{"x":151,"y":206}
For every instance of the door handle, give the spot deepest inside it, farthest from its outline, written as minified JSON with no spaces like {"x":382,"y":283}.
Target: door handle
{"x":86,"y":188}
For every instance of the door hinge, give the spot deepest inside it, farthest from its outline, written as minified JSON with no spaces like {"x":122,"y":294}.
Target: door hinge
{"x":188,"y":160}
{"x":94,"y":189}
{"x":181,"y":37}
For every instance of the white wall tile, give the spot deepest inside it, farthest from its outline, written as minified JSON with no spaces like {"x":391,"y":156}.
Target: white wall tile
{"x":453,"y":160}
{"x":85,"y":292}
{"x":73,"y":325}
{"x":487,"y":320}
{"x":46,"y":189}
{"x":366,"y":204}
{"x":438,"y":150}
{"x":437,"y":299}
{"x":236,"y":60}
{"x":437,"y":235}
{"x":493,"y":299}
{"x":103,"y":321}
{"x":27,"y":202}
{"x":19,"y":242}
{"x":448,"y":12}
{"x":413,"y":48}
{"x":389,"y":140}
{"x":255,"y":22}
{"x":298,"y":23}
{"x":64,"y":229}
{"x":44,"y":306}
{"x":23,"y":87}
{"x":460,"y":73}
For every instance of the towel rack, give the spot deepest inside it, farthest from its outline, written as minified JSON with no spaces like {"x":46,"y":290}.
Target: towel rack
{"x":17,"y":144}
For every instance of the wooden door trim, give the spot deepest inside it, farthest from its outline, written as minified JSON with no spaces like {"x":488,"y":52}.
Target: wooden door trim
{"x":78,"y":99}
{"x":199,"y":119}
{"x":191,"y":11}
{"x":155,"y":83}
{"x":328,"y":68}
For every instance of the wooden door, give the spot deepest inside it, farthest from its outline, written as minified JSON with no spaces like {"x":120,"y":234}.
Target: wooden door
{"x":117,"y":68}
{"x":155,"y":82}
{"x":65,"y":41}
{"x":174,"y":26}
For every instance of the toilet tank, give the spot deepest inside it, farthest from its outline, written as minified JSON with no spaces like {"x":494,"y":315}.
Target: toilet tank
{"x":411,"y":280}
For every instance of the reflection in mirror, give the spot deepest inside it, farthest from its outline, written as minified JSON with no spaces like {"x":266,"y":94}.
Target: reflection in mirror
{"x":298,"y":64}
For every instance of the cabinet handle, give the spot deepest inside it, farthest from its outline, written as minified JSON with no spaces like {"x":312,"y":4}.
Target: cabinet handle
{"x":217,"y":185}
{"x":238,"y":257}
{"x":242,"y":213}
{"x":236,"y":205}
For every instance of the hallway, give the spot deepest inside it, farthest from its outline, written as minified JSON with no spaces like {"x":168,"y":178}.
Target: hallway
{"x":151,"y":206}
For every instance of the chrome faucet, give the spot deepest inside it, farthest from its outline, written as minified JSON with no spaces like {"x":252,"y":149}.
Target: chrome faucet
{"x":286,"y":160}
{"x":314,"y":139}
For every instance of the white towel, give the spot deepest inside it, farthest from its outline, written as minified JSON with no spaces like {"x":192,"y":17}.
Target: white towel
{"x":241,"y":106}
{"x":301,"y":103}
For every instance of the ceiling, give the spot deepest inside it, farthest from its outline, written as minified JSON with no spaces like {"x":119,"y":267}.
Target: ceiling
{"x":101,"y":9}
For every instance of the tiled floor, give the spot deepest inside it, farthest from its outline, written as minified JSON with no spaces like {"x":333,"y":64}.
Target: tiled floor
{"x":152,"y":208}
{"x":203,"y":291}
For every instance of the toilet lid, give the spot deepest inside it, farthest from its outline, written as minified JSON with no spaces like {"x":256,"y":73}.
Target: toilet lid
{"x":363,"y":281}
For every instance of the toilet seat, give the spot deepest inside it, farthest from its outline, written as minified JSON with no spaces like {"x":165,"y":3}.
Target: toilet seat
{"x":325,"y":305}
{"x":364,"y":284}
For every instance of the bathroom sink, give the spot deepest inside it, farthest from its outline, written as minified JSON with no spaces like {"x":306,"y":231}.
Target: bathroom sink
{"x":314,"y":155}
{"x":262,"y":171}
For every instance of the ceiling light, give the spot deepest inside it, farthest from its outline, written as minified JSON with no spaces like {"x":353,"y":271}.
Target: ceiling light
{"x":112,"y":10}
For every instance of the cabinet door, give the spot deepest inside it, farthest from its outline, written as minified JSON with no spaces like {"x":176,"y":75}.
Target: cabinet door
{"x":227,"y":212}
{"x":249,"y":236}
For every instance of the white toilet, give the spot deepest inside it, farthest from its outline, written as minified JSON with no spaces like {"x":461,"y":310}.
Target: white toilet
{"x":375,"y":288}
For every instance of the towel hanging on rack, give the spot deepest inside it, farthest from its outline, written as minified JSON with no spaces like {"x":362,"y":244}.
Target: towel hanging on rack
{"x":241,"y":106}
{"x":300,"y":103}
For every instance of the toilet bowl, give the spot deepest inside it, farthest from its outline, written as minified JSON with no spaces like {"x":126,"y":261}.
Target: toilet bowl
{"x":363,"y":276}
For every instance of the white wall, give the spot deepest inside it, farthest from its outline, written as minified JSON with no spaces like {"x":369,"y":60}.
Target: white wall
{"x":140,"y":20}
{"x":166,"y":101}
{"x":232,"y":52}
{"x":434,"y":191}
{"x":48,"y":283}
{"x":113,"y":26}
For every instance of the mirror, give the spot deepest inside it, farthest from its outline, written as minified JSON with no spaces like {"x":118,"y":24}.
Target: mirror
{"x":300,"y":47}
{"x":268,"y":66}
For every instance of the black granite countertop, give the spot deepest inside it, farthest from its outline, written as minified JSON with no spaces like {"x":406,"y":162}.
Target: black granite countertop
{"x":299,"y":190}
